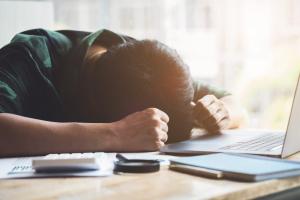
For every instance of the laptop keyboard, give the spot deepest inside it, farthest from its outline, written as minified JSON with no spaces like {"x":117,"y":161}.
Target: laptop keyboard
{"x":268,"y":142}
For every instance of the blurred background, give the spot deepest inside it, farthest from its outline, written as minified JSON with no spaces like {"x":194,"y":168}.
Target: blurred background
{"x":248,"y":47}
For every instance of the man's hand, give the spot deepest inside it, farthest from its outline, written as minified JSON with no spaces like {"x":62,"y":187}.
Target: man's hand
{"x":142,"y":131}
{"x":211,"y":114}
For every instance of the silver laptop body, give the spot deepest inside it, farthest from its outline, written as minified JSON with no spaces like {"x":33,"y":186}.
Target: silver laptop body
{"x":268,"y":143}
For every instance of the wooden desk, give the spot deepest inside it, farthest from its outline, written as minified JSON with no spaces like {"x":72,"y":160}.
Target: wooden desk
{"x":161,"y":185}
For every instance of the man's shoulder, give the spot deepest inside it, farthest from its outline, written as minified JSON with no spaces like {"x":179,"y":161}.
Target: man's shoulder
{"x":46,"y":45}
{"x":39,"y":37}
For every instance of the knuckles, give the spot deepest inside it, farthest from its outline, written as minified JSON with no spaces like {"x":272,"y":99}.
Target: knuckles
{"x":154,"y":122}
{"x":153,"y":118}
{"x":151,"y":111}
{"x":158,"y":145}
{"x":152,"y":136}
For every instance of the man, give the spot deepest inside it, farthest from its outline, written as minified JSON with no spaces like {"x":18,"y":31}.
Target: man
{"x":71,"y":91}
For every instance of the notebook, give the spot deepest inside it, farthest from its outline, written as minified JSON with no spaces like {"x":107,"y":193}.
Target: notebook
{"x":240,"y":167}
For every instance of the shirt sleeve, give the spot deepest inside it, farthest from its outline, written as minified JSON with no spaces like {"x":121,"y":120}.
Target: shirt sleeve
{"x":9,"y":101}
{"x":13,"y":84}
{"x":19,"y":80}
{"x":201,"y":89}
{"x":26,"y":74}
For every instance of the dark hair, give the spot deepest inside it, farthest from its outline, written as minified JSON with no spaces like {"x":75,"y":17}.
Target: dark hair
{"x":139,"y":74}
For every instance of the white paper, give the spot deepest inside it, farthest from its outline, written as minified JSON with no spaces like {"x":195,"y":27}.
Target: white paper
{"x":11,"y":168}
{"x":21,"y":168}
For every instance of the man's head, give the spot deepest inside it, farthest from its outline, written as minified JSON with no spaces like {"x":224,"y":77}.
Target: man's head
{"x":136,"y":75}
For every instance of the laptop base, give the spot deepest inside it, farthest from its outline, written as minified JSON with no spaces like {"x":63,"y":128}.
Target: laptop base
{"x":215,"y":143}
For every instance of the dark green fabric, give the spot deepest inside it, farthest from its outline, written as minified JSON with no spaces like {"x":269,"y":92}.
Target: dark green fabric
{"x":26,"y":66}
{"x":30,"y":64}
{"x":202,"y":89}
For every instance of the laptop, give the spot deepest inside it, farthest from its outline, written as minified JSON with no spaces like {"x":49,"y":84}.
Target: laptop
{"x":267,"y":143}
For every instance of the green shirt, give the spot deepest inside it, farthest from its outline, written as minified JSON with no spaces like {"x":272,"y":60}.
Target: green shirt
{"x":32,"y":61}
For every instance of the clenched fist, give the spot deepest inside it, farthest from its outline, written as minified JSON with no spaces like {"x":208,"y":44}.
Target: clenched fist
{"x":142,"y":131}
{"x":211,"y":114}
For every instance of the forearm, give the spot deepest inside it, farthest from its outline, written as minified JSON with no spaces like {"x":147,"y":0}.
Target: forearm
{"x":26,"y":136}
{"x":238,"y":116}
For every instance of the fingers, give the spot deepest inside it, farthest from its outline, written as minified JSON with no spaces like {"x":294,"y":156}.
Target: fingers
{"x":156,"y":112}
{"x":224,"y":123}
{"x":211,"y":114}
{"x":158,"y":124}
{"x":163,"y":136}
{"x":217,"y":122}
{"x":208,"y":99}
{"x":216,"y":117}
{"x":164,"y":127}
{"x":163,"y":116}
{"x":213,"y":126}
{"x":158,"y":145}
{"x":160,"y":131}
{"x":206,"y":107}
{"x":143,"y":130}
